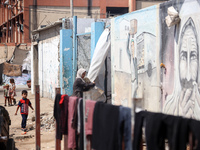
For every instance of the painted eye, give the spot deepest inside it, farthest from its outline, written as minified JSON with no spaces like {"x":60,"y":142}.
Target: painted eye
{"x":183,"y":55}
{"x":193,"y":56}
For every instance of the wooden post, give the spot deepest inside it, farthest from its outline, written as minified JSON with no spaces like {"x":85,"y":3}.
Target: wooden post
{"x":58,"y":142}
{"x":37,"y":116}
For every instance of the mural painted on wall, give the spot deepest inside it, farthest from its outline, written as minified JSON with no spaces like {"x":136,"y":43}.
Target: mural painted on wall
{"x":134,"y":36}
{"x":185,"y":97}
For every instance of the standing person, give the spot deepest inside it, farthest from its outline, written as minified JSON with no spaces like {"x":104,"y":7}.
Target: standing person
{"x":12,"y":91}
{"x":80,"y":85}
{"x":6,"y":93}
{"x":23,"y":104}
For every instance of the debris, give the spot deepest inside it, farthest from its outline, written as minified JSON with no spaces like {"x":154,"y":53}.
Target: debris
{"x":47,"y":122}
{"x":33,"y":118}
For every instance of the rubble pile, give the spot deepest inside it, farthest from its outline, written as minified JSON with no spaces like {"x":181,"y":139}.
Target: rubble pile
{"x":47,"y":122}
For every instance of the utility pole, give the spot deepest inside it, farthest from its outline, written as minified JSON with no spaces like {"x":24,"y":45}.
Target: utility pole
{"x":89,"y":7}
{"x":71,"y":8}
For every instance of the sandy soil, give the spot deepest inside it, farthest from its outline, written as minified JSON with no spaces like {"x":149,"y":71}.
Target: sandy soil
{"x":27,"y":142}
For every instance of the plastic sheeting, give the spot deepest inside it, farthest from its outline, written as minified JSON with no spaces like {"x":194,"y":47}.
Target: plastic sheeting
{"x":97,"y":69}
{"x":27,"y":62}
{"x":20,"y":80}
{"x":99,"y":56}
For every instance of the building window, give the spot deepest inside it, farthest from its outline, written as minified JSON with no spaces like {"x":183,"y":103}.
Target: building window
{"x":116,"y":11}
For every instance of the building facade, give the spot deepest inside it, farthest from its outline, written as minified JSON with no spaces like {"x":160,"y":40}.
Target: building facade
{"x":18,"y":18}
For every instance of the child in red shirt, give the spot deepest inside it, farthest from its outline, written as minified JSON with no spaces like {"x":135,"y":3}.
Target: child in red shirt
{"x":23,"y":104}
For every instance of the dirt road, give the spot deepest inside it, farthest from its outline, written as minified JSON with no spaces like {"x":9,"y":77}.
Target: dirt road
{"x":27,"y":142}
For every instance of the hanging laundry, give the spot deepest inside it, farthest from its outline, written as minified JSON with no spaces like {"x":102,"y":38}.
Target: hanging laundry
{"x":75,"y":115}
{"x":160,"y":127}
{"x":194,"y":128}
{"x":177,"y":132}
{"x":81,"y":145}
{"x":64,"y":113}
{"x":105,"y":132}
{"x":71,"y":131}
{"x":125,"y":127}
{"x":89,"y":111}
{"x":139,"y":120}
{"x":57,"y":116}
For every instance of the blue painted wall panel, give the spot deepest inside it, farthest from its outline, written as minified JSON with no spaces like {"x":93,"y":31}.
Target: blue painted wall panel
{"x":66,"y":61}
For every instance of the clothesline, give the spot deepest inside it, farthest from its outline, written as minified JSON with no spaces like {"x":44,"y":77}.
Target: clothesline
{"x":104,"y":123}
{"x":108,"y":127}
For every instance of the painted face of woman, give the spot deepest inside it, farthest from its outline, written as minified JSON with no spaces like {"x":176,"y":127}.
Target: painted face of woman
{"x":188,"y":67}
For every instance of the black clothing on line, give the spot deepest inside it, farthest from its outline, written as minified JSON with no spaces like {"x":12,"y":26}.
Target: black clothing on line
{"x":105,"y":132}
{"x":176,"y":128}
{"x":125,"y":127}
{"x":155,"y":133}
{"x":75,"y":115}
{"x":80,"y":86}
{"x":57,"y":115}
{"x":194,"y":128}
{"x":139,"y":119}
{"x":81,"y":145}
{"x":159,"y":127}
{"x":64,"y":115}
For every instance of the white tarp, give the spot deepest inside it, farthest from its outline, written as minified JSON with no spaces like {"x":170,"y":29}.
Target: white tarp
{"x":27,"y":62}
{"x":97,"y":69}
{"x":99,"y":56}
{"x":19,"y":80}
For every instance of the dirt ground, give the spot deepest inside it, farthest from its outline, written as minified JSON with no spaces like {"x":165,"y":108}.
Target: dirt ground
{"x":27,"y":141}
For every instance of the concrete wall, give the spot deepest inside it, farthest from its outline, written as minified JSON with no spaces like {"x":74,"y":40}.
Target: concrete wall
{"x":3,"y":54}
{"x":174,"y":90}
{"x":48,"y":62}
{"x":143,"y":4}
{"x":134,"y":35}
{"x":180,"y":53}
{"x":49,"y":14}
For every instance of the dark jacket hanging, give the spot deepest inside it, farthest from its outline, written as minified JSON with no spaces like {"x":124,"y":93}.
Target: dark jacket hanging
{"x":64,"y":113}
{"x":57,"y":116}
{"x":194,"y":128}
{"x":105,"y":133}
{"x":158,"y":128}
{"x":125,"y":127}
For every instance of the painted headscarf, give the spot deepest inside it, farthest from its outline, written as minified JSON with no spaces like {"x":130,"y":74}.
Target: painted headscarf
{"x":79,"y":74}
